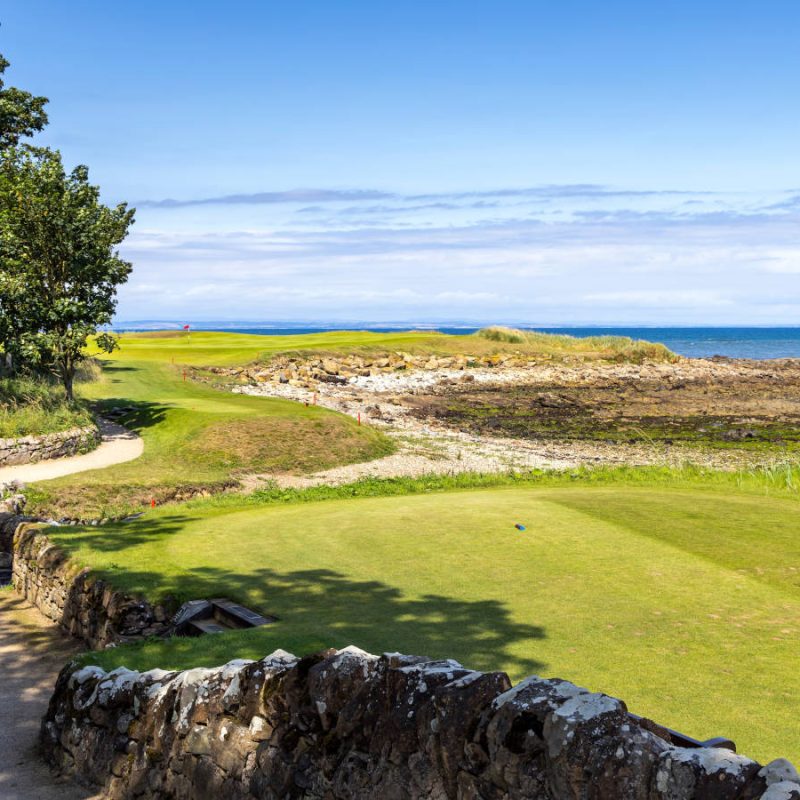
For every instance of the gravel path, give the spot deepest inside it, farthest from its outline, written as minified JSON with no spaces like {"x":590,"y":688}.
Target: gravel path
{"x":32,"y":651}
{"x":118,"y":445}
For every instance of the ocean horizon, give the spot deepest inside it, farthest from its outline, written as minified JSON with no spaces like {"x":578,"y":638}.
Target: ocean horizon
{"x":756,"y":342}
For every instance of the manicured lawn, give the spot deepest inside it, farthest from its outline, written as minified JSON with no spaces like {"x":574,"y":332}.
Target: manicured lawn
{"x":684,"y":602}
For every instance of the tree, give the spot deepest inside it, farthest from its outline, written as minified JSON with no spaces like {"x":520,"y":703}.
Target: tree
{"x":21,"y":113}
{"x":59,"y":240}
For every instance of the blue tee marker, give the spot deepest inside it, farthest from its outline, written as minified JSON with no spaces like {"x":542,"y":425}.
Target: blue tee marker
{"x":519,"y":527}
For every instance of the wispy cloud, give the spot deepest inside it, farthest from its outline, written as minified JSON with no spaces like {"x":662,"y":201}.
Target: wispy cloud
{"x":272,"y":198}
{"x":544,"y":192}
{"x":668,"y":262}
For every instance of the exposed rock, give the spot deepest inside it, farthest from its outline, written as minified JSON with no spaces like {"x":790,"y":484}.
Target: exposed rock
{"x":82,"y":605}
{"x":30,"y":449}
{"x":347,"y":724}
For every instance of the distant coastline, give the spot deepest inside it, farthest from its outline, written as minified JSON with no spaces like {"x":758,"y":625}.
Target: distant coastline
{"x":696,"y":342}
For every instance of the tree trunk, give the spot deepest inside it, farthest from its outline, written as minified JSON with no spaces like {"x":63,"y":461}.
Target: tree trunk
{"x":68,"y":378}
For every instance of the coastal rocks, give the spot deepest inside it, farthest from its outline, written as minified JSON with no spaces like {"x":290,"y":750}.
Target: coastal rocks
{"x":347,"y":724}
{"x":30,"y":449}
{"x":308,"y":373}
{"x":82,"y":605}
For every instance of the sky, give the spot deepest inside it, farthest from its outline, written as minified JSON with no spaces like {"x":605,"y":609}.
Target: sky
{"x":491,"y":161}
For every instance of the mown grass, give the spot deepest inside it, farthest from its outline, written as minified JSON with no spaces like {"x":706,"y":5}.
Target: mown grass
{"x":37,"y":405}
{"x":197,"y":439}
{"x":676,"y":590}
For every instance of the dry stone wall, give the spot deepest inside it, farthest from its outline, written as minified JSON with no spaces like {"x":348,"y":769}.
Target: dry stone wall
{"x":351,"y":725}
{"x":84,"y":606}
{"x":30,"y":449}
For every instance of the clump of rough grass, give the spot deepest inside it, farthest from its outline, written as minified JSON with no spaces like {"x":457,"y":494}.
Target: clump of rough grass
{"x":614,"y":348}
{"x":35,"y":405}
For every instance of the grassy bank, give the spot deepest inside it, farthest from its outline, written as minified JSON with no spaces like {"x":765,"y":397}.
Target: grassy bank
{"x":197,"y":439}
{"x":668,"y":594}
{"x":34,"y":406}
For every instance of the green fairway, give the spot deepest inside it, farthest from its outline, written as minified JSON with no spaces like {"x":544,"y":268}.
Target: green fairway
{"x":203,"y":348}
{"x":197,"y":437}
{"x":686,"y":603}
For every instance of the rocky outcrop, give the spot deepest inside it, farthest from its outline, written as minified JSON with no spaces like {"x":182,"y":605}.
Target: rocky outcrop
{"x":309,"y":373}
{"x":83,"y":605}
{"x":30,"y":449}
{"x":351,"y":725}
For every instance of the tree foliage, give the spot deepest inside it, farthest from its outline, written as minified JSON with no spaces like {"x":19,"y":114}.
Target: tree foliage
{"x":59,"y":269}
{"x":57,"y":240}
{"x":21,"y":113}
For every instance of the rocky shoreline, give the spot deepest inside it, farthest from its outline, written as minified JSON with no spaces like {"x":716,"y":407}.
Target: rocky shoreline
{"x":401,"y":394}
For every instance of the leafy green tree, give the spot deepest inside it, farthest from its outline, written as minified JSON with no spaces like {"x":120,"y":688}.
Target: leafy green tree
{"x":21,"y":113}
{"x":60,"y":241}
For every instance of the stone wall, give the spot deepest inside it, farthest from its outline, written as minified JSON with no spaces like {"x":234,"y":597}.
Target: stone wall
{"x":350,"y":725}
{"x":30,"y":449}
{"x":84,"y":606}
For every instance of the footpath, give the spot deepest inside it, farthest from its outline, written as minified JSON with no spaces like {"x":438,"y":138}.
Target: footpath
{"x":32,"y":651}
{"x":118,"y":445}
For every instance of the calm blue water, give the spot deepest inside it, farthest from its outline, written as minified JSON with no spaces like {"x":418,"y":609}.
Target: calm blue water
{"x":697,"y":342}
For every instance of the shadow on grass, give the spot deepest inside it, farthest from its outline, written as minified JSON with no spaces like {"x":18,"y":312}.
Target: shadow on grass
{"x":139,"y":414}
{"x":324,"y":607}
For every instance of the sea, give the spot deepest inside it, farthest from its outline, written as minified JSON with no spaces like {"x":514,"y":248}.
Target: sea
{"x":734,"y":342}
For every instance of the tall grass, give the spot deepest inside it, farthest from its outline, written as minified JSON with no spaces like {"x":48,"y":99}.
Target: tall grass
{"x":36,"y":405}
{"x":615,"y":348}
{"x":779,"y":480}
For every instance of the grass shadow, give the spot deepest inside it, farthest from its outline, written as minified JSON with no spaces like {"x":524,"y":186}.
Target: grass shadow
{"x":315,"y":608}
{"x":134,"y":414}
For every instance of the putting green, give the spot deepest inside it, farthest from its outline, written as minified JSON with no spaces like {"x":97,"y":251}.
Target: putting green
{"x":684,"y":603}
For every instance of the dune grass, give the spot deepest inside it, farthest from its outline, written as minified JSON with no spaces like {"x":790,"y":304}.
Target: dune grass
{"x":611,"y":348}
{"x":684,"y":601}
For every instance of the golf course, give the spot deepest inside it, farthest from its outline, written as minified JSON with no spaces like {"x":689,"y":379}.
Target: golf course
{"x":677,"y":589}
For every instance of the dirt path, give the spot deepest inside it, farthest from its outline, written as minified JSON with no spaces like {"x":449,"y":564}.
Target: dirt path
{"x":32,"y":651}
{"x":118,"y":445}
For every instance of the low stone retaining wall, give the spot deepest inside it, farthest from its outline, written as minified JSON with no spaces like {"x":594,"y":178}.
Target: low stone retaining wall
{"x":30,"y":449}
{"x":351,"y":725}
{"x":81,"y":604}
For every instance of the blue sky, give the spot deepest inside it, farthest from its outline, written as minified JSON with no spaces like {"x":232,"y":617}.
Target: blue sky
{"x":541,"y":162}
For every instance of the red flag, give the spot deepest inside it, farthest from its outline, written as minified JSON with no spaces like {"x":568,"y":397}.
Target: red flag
{"x":186,"y":327}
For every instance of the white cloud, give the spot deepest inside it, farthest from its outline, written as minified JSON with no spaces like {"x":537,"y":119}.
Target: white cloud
{"x":654,"y":261}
